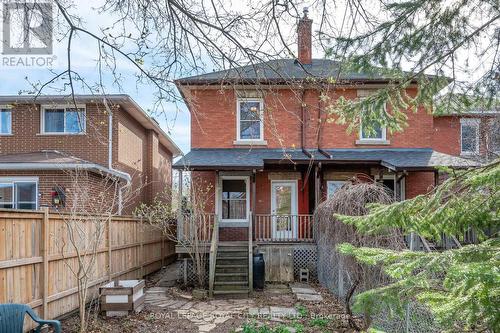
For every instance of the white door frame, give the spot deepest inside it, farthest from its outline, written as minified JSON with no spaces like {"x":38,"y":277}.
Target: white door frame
{"x":402,"y":184}
{"x":294,"y":209}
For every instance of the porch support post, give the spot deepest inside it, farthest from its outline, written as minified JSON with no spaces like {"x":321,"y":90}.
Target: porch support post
{"x":436,"y":178}
{"x":250,"y":233}
{"x":397,"y":187}
{"x":317,"y":185}
{"x":180,"y":222}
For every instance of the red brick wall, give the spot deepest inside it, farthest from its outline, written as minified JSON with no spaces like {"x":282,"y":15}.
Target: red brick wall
{"x":213,"y":123}
{"x":446,"y":138}
{"x":88,"y":181}
{"x":150,"y":174}
{"x":418,"y":183}
{"x":26,"y":137}
{"x":233,"y":234}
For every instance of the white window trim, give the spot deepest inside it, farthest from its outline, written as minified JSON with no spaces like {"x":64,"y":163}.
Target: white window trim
{"x":402,"y":184}
{"x":470,"y":122}
{"x":219,"y":201}
{"x":62,"y":106}
{"x":383,"y":139}
{"x":12,"y":180}
{"x":6,"y":107}
{"x":261,"y":117}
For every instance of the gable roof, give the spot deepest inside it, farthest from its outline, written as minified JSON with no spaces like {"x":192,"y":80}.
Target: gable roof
{"x":127,"y":103}
{"x":283,"y":70}
{"x":392,"y":158}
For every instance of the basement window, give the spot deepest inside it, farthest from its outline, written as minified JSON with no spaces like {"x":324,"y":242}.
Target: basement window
{"x":63,"y":120}
{"x":18,"y":193}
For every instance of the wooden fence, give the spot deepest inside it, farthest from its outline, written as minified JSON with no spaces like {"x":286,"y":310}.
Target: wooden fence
{"x":36,"y":259}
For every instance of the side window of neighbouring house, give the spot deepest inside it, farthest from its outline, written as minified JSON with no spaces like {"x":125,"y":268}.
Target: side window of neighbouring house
{"x":18,"y":194}
{"x":249,"y":118}
{"x":234,"y":199}
{"x":469,"y":136}
{"x":5,"y":121}
{"x":63,"y":120}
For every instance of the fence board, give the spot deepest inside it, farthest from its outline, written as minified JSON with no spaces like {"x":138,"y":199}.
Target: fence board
{"x":35,"y":270}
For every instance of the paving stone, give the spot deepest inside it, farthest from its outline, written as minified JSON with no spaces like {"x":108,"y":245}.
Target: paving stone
{"x":299,"y":285}
{"x":206,"y":327}
{"x":283,"y":312}
{"x":253,"y":311}
{"x":310,"y":297}
{"x":187,"y":306}
{"x":304,"y":291}
{"x":156,"y":290}
{"x":264,"y":311}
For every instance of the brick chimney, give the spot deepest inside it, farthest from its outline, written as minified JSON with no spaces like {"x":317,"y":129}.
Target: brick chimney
{"x":304,"y":39}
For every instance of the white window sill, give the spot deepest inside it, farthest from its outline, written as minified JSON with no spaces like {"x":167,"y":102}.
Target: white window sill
{"x":233,"y":224}
{"x":469,"y":153}
{"x":250,"y":143}
{"x":373,"y":142}
{"x":59,"y":134}
{"x":6,"y":134}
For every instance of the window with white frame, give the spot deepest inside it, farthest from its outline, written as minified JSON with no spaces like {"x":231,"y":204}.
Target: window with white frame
{"x":64,"y":120}
{"x":373,"y":131}
{"x":249,"y":119}
{"x":234,"y":199}
{"x":469,"y":136}
{"x":18,"y":193}
{"x":333,"y":186}
{"x":5,"y":120}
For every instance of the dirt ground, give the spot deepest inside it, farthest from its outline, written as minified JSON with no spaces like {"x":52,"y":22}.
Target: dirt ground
{"x":325,"y":316}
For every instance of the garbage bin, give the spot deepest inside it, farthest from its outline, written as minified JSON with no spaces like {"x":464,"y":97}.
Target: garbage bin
{"x":259,"y":271}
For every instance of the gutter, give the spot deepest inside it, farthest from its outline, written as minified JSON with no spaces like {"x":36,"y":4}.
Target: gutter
{"x":63,"y":166}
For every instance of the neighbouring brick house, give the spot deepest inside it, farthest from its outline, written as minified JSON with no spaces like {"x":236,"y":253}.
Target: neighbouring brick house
{"x":259,"y":136}
{"x":43,"y":142}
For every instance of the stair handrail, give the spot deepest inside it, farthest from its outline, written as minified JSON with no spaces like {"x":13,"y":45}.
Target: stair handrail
{"x":213,"y":257}
{"x":250,"y":253}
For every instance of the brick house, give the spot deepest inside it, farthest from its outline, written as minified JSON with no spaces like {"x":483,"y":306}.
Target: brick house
{"x":259,"y":136}
{"x":43,"y":142}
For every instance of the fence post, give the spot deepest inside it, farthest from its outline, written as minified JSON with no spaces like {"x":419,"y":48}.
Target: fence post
{"x":142,"y":248}
{"x":45,"y":264}
{"x":108,"y":236}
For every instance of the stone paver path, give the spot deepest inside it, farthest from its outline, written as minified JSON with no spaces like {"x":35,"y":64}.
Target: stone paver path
{"x":305,"y":292}
{"x":206,"y":315}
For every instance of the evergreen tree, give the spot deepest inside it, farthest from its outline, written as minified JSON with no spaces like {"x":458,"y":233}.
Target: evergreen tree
{"x":460,"y":286}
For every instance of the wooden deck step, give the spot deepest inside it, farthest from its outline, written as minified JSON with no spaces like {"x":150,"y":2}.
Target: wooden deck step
{"x":231,"y":283}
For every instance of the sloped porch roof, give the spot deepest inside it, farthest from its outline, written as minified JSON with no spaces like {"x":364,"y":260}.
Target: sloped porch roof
{"x":256,"y":158}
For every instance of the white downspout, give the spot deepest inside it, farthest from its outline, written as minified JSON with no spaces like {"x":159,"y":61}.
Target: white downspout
{"x":110,"y":154}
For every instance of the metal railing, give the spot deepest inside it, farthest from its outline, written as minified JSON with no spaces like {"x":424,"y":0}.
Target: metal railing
{"x":283,"y":228}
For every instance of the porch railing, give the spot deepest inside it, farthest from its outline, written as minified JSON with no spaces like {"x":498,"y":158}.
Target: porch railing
{"x":283,"y":228}
{"x":196,"y":227}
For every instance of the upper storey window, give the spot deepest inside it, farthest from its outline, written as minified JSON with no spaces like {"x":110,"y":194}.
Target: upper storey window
{"x":469,"y":136}
{"x":250,"y":126}
{"x":5,"y":120}
{"x":372,"y":131}
{"x":63,"y":120}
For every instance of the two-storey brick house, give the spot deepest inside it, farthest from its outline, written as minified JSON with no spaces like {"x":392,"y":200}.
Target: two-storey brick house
{"x":43,"y":141}
{"x":260,"y":136}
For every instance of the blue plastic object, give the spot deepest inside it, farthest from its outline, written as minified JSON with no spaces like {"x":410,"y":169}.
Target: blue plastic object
{"x":12,"y":319}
